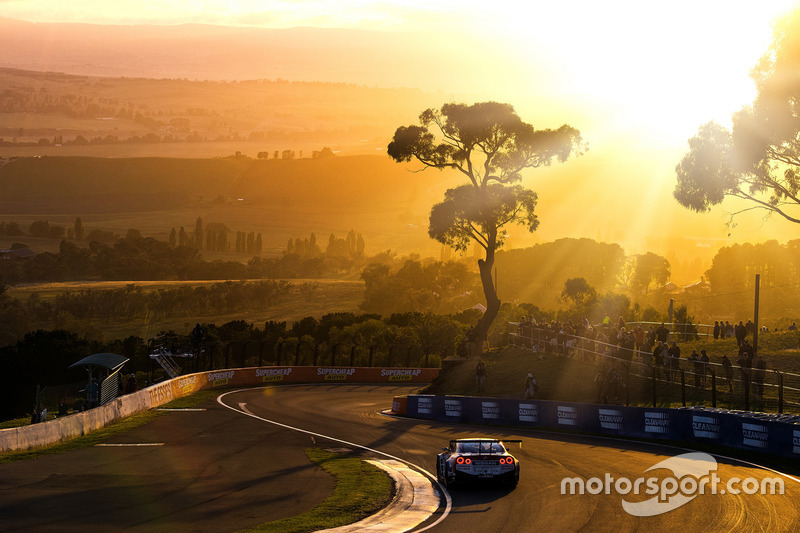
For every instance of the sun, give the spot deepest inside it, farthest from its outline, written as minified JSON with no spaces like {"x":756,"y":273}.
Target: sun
{"x":661,"y":69}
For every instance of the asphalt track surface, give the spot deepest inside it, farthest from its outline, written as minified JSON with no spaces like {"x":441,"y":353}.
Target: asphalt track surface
{"x":240,"y":464}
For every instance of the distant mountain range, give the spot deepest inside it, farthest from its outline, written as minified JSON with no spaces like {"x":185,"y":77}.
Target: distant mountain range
{"x":204,"y":52}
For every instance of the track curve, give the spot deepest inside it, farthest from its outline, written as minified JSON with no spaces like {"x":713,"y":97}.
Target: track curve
{"x":219,"y":470}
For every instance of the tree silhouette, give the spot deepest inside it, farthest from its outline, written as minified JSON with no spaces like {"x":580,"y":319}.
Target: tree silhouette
{"x":490,"y":146}
{"x":759,"y":159}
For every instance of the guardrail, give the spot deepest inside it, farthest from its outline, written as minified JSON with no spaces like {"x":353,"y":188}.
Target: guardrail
{"x":776,"y":434}
{"x":82,"y":423}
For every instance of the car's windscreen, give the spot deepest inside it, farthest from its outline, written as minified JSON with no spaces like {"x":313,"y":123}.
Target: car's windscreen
{"x":480,"y":447}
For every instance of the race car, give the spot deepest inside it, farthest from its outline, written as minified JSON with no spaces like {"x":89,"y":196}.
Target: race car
{"x":477,"y":459}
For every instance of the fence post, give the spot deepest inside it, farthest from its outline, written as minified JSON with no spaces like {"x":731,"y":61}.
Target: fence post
{"x":746,"y":383}
{"x":371,"y":352}
{"x":297,"y":353}
{"x":654,"y":386}
{"x":228,"y":355}
{"x":780,"y":391}
{"x":627,"y":386}
{"x":713,"y":388}
{"x":683,"y":387}
{"x":316,"y":353}
{"x":408,"y":356}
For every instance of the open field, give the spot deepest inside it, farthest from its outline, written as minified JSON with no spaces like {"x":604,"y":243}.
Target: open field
{"x":331,"y":296}
{"x":281,"y":199}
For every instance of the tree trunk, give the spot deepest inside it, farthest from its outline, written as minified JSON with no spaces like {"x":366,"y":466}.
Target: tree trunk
{"x":492,"y":302}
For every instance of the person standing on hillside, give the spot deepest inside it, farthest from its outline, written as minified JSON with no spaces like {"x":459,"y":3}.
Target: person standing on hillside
{"x":131,"y":385}
{"x":638,"y":334}
{"x":530,"y":387}
{"x":480,"y":374}
{"x":728,"y":367}
{"x":704,"y":359}
{"x":662,"y":333}
{"x":697,"y":368}
{"x":740,"y":332}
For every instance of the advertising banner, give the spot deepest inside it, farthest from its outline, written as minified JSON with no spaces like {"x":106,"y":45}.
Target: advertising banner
{"x":693,"y":424}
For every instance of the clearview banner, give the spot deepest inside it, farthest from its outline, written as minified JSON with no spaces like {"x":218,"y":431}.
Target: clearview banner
{"x":777,"y":434}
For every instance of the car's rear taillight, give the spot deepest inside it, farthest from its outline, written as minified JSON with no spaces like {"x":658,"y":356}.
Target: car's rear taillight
{"x":468,"y":461}
{"x":460,"y":460}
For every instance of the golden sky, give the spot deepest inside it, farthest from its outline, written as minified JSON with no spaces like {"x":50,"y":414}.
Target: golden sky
{"x":636,"y":77}
{"x":660,"y":68}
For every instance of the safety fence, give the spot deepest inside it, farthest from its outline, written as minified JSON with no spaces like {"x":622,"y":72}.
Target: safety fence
{"x":191,"y":356}
{"x":83,"y":422}
{"x":626,"y":376}
{"x":775,"y":434}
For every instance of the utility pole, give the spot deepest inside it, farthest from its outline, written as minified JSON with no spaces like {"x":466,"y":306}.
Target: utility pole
{"x":755,"y":316}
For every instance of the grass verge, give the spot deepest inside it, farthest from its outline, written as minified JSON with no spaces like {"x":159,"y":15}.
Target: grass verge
{"x":120,"y":426}
{"x":361,"y":489}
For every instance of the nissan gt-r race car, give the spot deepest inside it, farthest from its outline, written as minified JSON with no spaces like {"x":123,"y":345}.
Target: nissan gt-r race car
{"x":477,"y":459}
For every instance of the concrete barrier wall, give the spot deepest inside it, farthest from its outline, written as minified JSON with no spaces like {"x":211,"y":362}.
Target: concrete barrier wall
{"x":78,"y":424}
{"x":770,"y":433}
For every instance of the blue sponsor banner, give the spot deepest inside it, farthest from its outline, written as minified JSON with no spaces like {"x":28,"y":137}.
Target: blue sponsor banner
{"x":766,"y":433}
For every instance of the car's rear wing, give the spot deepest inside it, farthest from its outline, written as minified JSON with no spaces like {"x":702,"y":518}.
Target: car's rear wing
{"x":479,"y":440}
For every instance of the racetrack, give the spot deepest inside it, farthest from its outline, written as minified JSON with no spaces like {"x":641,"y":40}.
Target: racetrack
{"x":222,"y":470}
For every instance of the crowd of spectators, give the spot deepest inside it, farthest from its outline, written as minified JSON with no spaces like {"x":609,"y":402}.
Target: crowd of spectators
{"x":614,"y":345}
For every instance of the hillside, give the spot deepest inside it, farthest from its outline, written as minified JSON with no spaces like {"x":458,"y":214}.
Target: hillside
{"x":280,"y":198}
{"x":46,"y":109}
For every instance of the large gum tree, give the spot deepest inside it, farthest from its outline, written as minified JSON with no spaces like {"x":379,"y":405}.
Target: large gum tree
{"x":758,"y":160}
{"x":490,"y":146}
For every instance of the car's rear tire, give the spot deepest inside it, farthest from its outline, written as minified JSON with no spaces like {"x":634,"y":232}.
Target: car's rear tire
{"x":512,"y":481}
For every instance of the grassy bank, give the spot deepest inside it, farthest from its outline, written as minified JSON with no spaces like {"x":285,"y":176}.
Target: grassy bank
{"x":574,"y":379}
{"x":361,"y":490}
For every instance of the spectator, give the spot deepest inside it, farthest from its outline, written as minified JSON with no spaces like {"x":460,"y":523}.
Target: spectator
{"x":726,"y":365}
{"x":697,"y":366}
{"x":638,"y":334}
{"x":745,"y":365}
{"x":747,"y":349}
{"x":740,"y":332}
{"x":530,"y":387}
{"x":704,"y":360}
{"x":651,"y":337}
{"x":662,"y":333}
{"x":480,"y":374}
{"x":131,"y":385}
{"x":601,"y":383}
{"x":93,"y":393}
{"x":716,"y":329}
{"x":675,"y":360}
{"x":793,"y":327}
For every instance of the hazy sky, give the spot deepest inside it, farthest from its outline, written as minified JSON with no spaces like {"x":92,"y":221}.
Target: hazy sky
{"x":667,"y":66}
{"x":636,"y":77}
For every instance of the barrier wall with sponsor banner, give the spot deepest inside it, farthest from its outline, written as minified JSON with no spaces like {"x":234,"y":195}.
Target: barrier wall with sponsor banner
{"x":775,"y":434}
{"x":77,"y":424}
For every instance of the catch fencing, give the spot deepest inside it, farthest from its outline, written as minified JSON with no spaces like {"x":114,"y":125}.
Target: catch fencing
{"x":626,"y":376}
